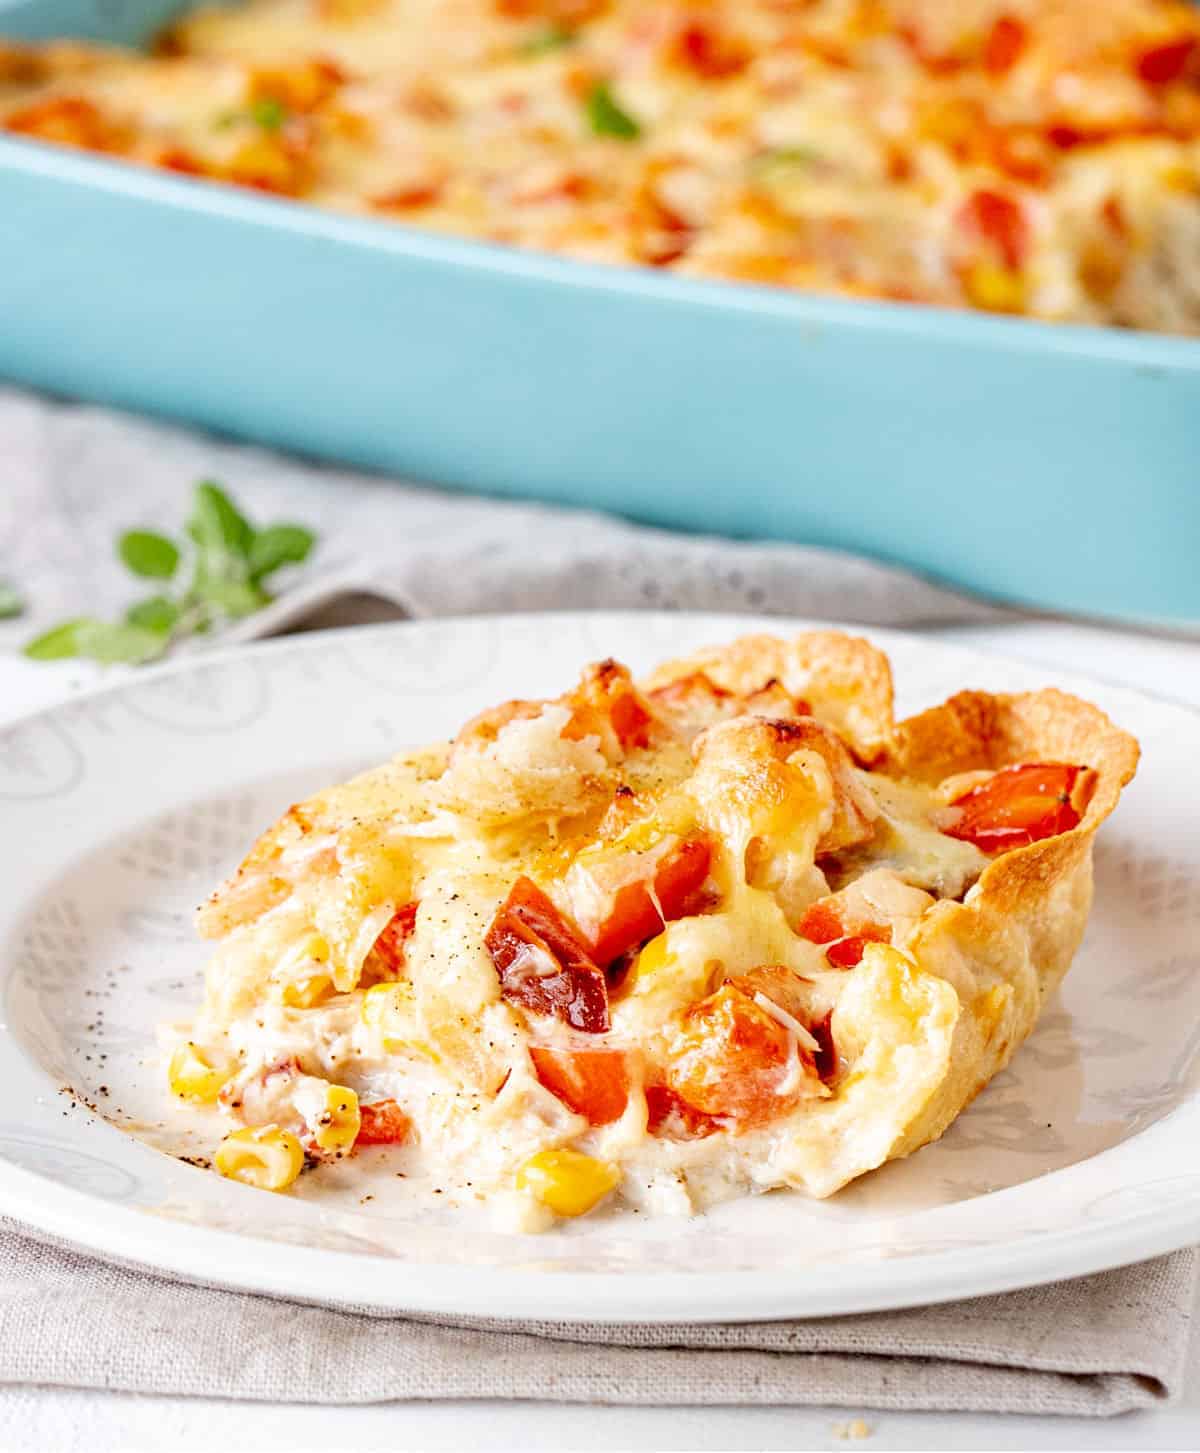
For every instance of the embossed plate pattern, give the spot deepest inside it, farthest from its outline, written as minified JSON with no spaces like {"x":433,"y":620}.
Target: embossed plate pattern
{"x":119,"y":809}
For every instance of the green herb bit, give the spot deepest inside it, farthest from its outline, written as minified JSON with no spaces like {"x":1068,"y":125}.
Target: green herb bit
{"x":606,"y":118}
{"x":58,"y":644}
{"x":279,"y":545}
{"x":147,"y":554}
{"x":268,"y":113}
{"x":216,"y":522}
{"x":11,"y":604}
{"x":158,"y":613}
{"x":782,"y":159}
{"x":552,"y":38}
{"x":118,"y":645}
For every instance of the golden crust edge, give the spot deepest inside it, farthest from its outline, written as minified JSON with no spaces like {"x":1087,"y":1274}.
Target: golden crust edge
{"x":1007,"y":947}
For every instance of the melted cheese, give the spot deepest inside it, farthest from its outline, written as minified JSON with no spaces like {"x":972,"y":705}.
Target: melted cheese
{"x":1029,"y":156}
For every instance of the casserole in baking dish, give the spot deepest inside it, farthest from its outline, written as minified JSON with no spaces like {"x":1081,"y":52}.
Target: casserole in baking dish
{"x":884,"y":154}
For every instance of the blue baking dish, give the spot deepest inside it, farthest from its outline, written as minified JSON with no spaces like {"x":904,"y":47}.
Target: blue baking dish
{"x":1052,"y":466}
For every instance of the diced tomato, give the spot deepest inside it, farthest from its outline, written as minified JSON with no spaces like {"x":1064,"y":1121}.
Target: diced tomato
{"x":821,"y":923}
{"x":824,"y":923}
{"x":1004,"y":44}
{"x":1162,"y":64}
{"x":179,"y":159}
{"x":406,"y":198}
{"x":390,"y":943}
{"x":670,"y":1118}
{"x":734,"y":1059}
{"x":849,"y":951}
{"x":709,"y":53}
{"x":1017,"y":806}
{"x":592,"y":1082}
{"x":544,"y":963}
{"x":68,"y":121}
{"x":383,"y":1123}
{"x":1000,"y":221}
{"x":639,"y":910}
{"x":1065,"y":137}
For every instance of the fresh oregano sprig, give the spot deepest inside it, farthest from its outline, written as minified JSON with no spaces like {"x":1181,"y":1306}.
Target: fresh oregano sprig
{"x":227,"y":561}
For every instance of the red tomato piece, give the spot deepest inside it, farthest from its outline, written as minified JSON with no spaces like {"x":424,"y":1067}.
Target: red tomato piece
{"x":670,"y":1118}
{"x":640,"y":909}
{"x":383,"y":1123}
{"x":390,"y":943}
{"x":1004,"y":45}
{"x":1017,"y":806}
{"x":592,"y":1082}
{"x":825,"y":923}
{"x":1000,"y":221}
{"x":544,"y":963}
{"x":734,"y":1059}
{"x":1162,"y":64}
{"x":849,"y":951}
{"x":709,"y":53}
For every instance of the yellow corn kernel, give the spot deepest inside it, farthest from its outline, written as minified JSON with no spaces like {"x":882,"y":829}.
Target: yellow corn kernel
{"x":336,"y":1127}
{"x":567,"y":1181}
{"x":654,"y":958}
{"x":304,"y":993}
{"x":995,"y":289}
{"x":194,"y":1075}
{"x":388,"y":1009}
{"x":267,"y":1158}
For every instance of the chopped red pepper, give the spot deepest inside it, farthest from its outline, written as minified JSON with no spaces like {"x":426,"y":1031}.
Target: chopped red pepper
{"x":383,"y":1123}
{"x":1017,"y":806}
{"x":824,"y":923}
{"x":640,"y":909}
{"x":1004,"y":44}
{"x":544,"y":963}
{"x":390,"y":944}
{"x":1162,"y":64}
{"x":592,"y":1082}
{"x":1000,"y":221}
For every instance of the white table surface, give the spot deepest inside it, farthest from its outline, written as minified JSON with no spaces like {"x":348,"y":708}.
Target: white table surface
{"x":94,"y":1422}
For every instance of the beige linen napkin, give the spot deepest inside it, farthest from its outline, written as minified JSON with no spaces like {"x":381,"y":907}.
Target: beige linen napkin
{"x":1100,"y":1345}
{"x":73,"y":477}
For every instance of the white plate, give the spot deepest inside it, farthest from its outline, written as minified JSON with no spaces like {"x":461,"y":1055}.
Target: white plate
{"x":120,"y":809}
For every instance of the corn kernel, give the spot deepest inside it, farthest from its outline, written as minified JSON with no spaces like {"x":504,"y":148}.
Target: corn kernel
{"x":336,"y":1125}
{"x":388,"y":1008}
{"x":304,"y":993}
{"x":654,"y":958}
{"x":193,"y":1074}
{"x":995,"y":289}
{"x":568,"y":1182}
{"x":267,"y":1158}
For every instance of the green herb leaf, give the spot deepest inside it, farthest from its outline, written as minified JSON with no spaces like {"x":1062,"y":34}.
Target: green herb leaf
{"x":149,"y":555}
{"x":554,"y":37}
{"x":216,"y":523}
{"x":118,"y":645}
{"x":606,"y":118}
{"x":268,"y":113}
{"x":279,"y":545}
{"x":158,"y":613}
{"x":11,"y":604}
{"x":233,"y":598}
{"x":59,"y":643}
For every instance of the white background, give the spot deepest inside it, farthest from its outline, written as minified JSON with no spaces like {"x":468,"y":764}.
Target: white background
{"x":55,"y":1419}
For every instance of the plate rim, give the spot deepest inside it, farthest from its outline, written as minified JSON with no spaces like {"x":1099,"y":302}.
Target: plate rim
{"x":273,"y":1267}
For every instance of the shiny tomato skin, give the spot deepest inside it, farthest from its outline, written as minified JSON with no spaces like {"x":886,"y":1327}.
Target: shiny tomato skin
{"x":1017,"y":806}
{"x":529,"y":927}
